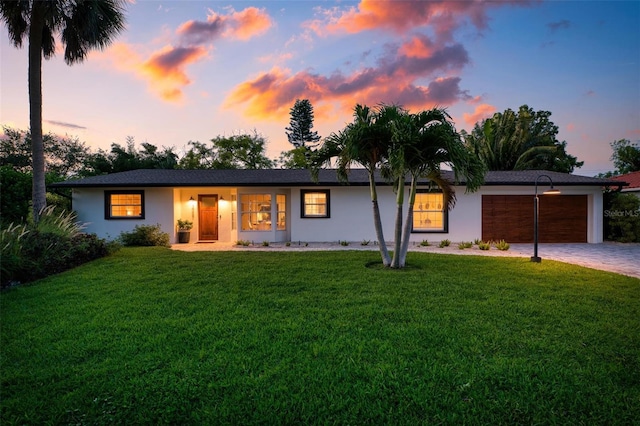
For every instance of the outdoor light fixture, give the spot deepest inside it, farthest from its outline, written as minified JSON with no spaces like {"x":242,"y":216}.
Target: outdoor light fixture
{"x":192,"y":203}
{"x":550,"y":191}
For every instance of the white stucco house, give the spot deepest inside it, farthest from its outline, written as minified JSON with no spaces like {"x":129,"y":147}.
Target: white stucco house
{"x":287,"y":205}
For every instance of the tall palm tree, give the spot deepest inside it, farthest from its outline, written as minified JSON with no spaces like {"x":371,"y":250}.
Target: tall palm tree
{"x":366,"y":142}
{"x":426,"y":141}
{"x":82,"y":25}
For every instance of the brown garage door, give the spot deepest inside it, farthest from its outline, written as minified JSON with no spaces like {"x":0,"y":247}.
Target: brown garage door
{"x":562,"y":218}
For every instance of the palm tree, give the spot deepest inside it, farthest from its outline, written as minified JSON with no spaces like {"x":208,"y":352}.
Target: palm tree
{"x":424,"y":142}
{"x":366,"y":142}
{"x":520,"y":140}
{"x":83,"y":25}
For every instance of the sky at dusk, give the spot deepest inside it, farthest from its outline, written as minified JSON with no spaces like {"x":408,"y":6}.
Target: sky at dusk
{"x":193,"y":70}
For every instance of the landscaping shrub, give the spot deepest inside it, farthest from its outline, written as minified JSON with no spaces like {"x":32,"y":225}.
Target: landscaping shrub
{"x":502,"y":245}
{"x":145,"y":235}
{"x":444,"y":243}
{"x":30,"y":252}
{"x":484,"y":245}
{"x":622,"y":218}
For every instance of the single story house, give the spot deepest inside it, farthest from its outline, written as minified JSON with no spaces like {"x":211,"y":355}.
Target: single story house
{"x":287,"y":205}
{"x":633,"y":179}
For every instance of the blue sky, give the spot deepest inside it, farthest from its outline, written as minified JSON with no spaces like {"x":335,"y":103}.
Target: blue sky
{"x":193,"y":70}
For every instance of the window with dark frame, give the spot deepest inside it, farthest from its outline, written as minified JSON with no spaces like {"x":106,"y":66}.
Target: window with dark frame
{"x":124,"y":205}
{"x":429,"y":212}
{"x":315,"y":203}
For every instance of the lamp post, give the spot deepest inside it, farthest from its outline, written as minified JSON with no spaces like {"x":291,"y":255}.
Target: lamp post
{"x":550,"y":191}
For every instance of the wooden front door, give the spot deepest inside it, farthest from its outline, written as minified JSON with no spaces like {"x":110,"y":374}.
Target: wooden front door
{"x":207,"y":217}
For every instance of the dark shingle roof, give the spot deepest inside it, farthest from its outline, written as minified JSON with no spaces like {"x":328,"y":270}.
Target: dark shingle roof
{"x":284,"y":177}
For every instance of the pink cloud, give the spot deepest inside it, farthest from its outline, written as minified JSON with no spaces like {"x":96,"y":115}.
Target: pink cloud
{"x":241,"y":25}
{"x":166,"y":70}
{"x":482,"y":111}
{"x":271,"y":94}
{"x":571,"y":127}
{"x":401,"y":16}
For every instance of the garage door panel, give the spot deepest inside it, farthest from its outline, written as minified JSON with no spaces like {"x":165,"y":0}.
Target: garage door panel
{"x":562,"y":218}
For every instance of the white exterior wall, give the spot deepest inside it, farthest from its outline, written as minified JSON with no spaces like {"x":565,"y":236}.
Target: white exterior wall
{"x":351,"y":215}
{"x":158,"y":207}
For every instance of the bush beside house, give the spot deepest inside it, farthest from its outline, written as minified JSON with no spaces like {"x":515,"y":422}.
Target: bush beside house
{"x":30,"y":252}
{"x":622,"y":217}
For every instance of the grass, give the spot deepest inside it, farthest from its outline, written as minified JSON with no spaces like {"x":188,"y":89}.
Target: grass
{"x":153,"y":336}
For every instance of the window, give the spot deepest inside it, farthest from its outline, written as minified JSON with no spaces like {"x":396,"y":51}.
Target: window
{"x":429,"y":212}
{"x":255,"y":212}
{"x":315,"y":204}
{"x":124,"y":204}
{"x":281,"y":201}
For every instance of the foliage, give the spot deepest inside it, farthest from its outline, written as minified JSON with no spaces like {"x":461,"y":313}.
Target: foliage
{"x":297,"y":158}
{"x":184,"y":225}
{"x":622,"y":217}
{"x":154,"y":336}
{"x":522,"y":140}
{"x":243,"y":151}
{"x":299,"y":132}
{"x":625,"y":157}
{"x":425,"y":243}
{"x":365,"y":242}
{"x":343,"y":243}
{"x":465,"y":244}
{"x":145,"y":235}
{"x":64,"y":156}
{"x":502,"y":245}
{"x":482,"y":245}
{"x":15,"y":188}
{"x":55,"y":244}
{"x":122,"y":159}
{"x":444,"y":243}
{"x":365,"y":142}
{"x":244,"y":243}
{"x":397,"y":143}
{"x":265,"y":243}
{"x":81,"y":26}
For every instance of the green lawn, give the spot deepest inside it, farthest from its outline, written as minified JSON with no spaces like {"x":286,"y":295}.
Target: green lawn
{"x":155,"y":336}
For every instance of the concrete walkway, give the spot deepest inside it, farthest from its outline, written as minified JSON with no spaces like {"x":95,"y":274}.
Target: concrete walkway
{"x":613,"y":257}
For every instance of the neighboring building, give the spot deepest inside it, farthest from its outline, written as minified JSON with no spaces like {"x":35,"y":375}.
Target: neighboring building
{"x":286,"y":205}
{"x":633,"y":179}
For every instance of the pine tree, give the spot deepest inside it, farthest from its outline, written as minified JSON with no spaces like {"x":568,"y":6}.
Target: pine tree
{"x":299,"y":131}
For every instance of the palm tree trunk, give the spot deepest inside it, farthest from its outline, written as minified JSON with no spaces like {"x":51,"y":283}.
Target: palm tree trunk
{"x":406,"y":232}
{"x":377,"y":222}
{"x":39,"y":194}
{"x":395,"y":262}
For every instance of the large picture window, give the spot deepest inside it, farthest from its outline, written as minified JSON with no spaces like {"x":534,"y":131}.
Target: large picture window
{"x":255,"y":212}
{"x":124,"y":204}
{"x":315,"y":203}
{"x":429,"y":212}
